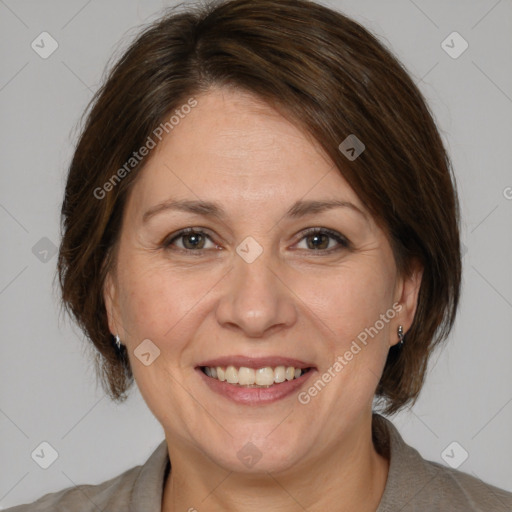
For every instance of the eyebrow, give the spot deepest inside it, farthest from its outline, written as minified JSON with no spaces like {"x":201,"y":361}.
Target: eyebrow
{"x":299,"y":209}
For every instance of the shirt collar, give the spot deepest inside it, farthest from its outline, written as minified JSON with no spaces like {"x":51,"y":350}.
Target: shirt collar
{"x":148,"y":488}
{"x":404,"y":463}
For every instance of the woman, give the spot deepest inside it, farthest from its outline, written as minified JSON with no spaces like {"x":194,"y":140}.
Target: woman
{"x":261,"y":229}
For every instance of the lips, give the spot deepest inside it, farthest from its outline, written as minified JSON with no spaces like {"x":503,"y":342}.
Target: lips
{"x":256,"y":362}
{"x":222,"y":375}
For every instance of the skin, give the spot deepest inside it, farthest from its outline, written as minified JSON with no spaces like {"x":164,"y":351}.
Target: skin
{"x":294,"y":300}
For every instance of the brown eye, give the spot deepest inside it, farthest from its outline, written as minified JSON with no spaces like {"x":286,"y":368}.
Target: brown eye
{"x":318,"y":239}
{"x":189,"y":240}
{"x":193,"y":241}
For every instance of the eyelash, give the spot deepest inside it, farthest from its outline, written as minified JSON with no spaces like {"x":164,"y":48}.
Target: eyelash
{"x":342,"y":241}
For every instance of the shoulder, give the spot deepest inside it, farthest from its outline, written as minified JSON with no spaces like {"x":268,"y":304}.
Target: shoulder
{"x":461,"y":491}
{"x":138,"y":488}
{"x":418,"y":485}
{"x":86,"y":498}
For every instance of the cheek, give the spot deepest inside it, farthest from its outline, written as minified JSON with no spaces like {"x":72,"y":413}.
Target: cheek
{"x":160,"y":306}
{"x":347,"y":299}
{"x":155,"y":300}
{"x":354,"y":336}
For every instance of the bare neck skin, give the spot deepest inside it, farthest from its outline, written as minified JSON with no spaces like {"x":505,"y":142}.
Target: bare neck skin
{"x":351,"y":476}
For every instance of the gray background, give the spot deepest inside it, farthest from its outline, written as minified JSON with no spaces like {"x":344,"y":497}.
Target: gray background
{"x":47,"y":388}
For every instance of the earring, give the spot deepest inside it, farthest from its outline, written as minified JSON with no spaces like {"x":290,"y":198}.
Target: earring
{"x":401,"y":334}
{"x":118,"y":341}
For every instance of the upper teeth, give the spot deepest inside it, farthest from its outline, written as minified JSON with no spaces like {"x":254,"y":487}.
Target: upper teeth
{"x":249,"y":376}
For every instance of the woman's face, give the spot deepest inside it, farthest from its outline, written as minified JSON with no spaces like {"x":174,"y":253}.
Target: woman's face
{"x":252,"y":289}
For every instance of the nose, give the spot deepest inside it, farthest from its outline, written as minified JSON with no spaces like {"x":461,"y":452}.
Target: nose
{"x":256,"y":300}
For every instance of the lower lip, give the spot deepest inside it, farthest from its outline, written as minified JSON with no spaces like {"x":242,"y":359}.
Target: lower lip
{"x":255,"y":396}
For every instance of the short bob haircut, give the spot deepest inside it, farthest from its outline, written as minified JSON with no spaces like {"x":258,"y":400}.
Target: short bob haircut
{"x":331,"y":78}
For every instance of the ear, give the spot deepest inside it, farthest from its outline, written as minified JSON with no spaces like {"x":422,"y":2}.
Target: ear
{"x":110,"y":298}
{"x":406,"y":294}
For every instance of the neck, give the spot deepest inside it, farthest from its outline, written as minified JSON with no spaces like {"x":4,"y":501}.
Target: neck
{"x":349,"y":476}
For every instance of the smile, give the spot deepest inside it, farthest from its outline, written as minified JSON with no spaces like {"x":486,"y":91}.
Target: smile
{"x":251,"y":377}
{"x":255,"y":380}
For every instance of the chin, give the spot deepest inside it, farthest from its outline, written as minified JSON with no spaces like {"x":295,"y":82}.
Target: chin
{"x":254,"y":453}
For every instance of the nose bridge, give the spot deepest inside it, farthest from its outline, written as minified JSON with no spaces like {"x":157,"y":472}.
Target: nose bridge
{"x":255,"y":272}
{"x":256,"y":298}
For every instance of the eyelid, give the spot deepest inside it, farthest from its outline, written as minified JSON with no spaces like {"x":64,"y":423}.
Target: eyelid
{"x":343,"y":242}
{"x":331,"y":232}
{"x":169,"y":239}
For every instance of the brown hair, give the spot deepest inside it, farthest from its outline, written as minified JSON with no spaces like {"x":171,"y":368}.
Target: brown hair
{"x":328,"y":75}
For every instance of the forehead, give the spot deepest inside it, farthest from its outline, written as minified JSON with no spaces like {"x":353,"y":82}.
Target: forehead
{"x":235,"y":149}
